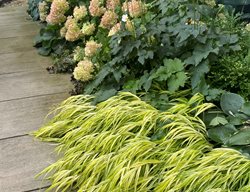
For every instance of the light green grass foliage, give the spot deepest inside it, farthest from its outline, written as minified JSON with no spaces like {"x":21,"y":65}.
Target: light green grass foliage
{"x":124,"y":144}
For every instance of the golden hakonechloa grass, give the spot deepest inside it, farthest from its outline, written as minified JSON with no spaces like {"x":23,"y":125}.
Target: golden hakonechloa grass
{"x":126,"y":145}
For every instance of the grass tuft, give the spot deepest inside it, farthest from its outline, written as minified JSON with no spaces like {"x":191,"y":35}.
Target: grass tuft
{"x":124,"y":144}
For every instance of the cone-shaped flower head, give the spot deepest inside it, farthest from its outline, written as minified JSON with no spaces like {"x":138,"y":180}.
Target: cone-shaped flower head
{"x":116,"y":28}
{"x":57,"y":11}
{"x":95,"y":8}
{"x":73,"y":31}
{"x":43,"y":7}
{"x":112,"y":4}
{"x":88,"y":28}
{"x":135,"y":8}
{"x":109,"y":19}
{"x":84,"y":70}
{"x":91,"y":48}
{"x":80,"y":12}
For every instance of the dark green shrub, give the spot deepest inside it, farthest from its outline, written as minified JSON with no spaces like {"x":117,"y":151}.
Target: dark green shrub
{"x":232,"y":74}
{"x":199,"y":35}
{"x":238,"y":5}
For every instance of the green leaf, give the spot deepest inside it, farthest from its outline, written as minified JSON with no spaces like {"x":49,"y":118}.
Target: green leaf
{"x":43,"y":51}
{"x":176,"y":81}
{"x":135,"y":85}
{"x":210,"y":115}
{"x":221,"y":134}
{"x":235,"y":120}
{"x":171,"y":66}
{"x":132,"y":86}
{"x":37,"y":40}
{"x":231,"y":103}
{"x":47,"y":36}
{"x":163,"y":6}
{"x":202,"y":87}
{"x":143,"y":55}
{"x":100,"y":78}
{"x":172,"y":72}
{"x":183,"y":35}
{"x":228,"y":39}
{"x":246,"y":108}
{"x":174,"y":65}
{"x":245,"y":150}
{"x":103,"y":95}
{"x":242,"y":116}
{"x":242,"y":137}
{"x":145,"y":81}
{"x":201,"y":52}
{"x":235,"y":47}
{"x":218,"y":121}
{"x":198,"y":72}
{"x":214,"y":94}
{"x":234,"y":39}
{"x":162,"y":74}
{"x":118,"y":72}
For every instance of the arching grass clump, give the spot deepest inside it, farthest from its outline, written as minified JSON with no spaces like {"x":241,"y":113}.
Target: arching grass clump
{"x":125,"y":144}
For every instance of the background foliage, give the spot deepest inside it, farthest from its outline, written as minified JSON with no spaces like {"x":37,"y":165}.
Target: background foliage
{"x":173,"y":46}
{"x":168,"y":54}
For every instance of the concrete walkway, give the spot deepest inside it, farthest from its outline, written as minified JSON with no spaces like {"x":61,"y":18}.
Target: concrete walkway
{"x":27,"y":92}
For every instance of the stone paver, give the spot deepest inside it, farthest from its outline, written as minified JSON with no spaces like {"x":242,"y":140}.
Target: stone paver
{"x":27,"y":92}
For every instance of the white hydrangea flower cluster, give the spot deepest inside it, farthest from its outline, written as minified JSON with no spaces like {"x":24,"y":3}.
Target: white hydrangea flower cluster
{"x":43,"y":8}
{"x":91,"y":48}
{"x":88,"y":28}
{"x":80,"y":12}
{"x":83,"y":71}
